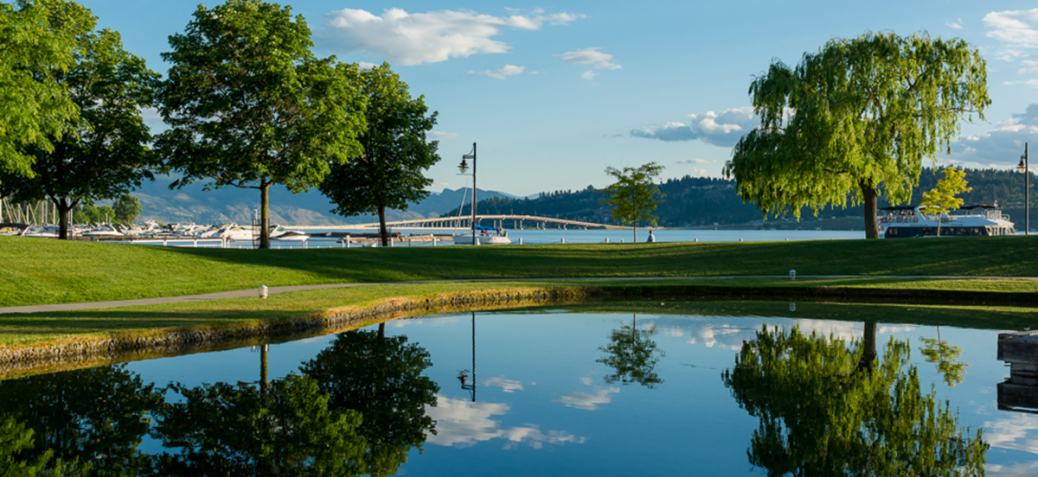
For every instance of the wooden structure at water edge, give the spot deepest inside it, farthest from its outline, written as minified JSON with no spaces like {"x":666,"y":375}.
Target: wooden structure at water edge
{"x":1019,"y":392}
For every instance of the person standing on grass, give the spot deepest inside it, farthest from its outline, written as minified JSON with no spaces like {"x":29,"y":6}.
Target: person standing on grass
{"x":652,"y":238}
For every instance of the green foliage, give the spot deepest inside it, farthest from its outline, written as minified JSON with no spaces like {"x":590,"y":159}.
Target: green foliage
{"x":127,"y":208}
{"x":105,"y":151}
{"x":40,"y":40}
{"x":633,"y":195}
{"x":854,"y":121}
{"x":381,"y":378}
{"x":289,"y":429}
{"x":250,"y":106}
{"x":945,"y":356}
{"x":16,"y":439}
{"x":396,"y":153}
{"x":821,"y":413}
{"x":944,"y":198}
{"x":91,"y":417}
{"x":633,"y":357}
{"x":93,"y":214}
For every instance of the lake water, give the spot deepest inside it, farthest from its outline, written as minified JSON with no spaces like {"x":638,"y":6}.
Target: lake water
{"x":576,"y":390}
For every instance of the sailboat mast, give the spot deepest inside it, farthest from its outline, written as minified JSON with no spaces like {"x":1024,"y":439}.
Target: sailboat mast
{"x":473,"y":193}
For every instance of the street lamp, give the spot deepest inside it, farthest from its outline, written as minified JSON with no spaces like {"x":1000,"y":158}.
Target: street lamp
{"x":1023,"y":167}
{"x":464,"y":167}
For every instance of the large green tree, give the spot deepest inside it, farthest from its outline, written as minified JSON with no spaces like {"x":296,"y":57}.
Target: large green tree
{"x":37,"y":39}
{"x":390,"y":173}
{"x":855,"y":121}
{"x":823,"y":413}
{"x":634,"y":195}
{"x":250,"y":106}
{"x":382,"y":379}
{"x":104,"y":152}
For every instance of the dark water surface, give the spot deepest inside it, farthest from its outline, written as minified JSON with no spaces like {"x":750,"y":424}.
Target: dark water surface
{"x":545,"y":392}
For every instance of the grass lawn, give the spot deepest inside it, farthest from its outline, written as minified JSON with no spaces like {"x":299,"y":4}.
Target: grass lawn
{"x":56,"y":327}
{"x":37,"y":271}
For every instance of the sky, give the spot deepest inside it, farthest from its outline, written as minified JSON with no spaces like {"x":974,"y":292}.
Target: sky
{"x":554,"y":94}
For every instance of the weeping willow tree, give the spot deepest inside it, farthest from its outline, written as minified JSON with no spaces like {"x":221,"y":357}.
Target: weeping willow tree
{"x":855,"y":121}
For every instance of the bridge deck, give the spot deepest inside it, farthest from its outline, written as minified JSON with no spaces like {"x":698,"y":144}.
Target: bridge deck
{"x":516,"y":222}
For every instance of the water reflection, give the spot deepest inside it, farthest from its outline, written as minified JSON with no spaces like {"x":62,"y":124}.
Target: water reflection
{"x":632,"y":356}
{"x":946,"y":357}
{"x":381,"y":378}
{"x":86,"y":418}
{"x":831,"y":407}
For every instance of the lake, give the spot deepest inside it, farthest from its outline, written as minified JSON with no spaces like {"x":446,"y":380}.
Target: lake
{"x":597,"y":389}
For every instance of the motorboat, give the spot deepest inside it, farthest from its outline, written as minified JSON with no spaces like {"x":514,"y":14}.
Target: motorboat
{"x":105,"y":230}
{"x":44,"y":231}
{"x":233,"y":231}
{"x":484,"y":236}
{"x":913,"y":221}
{"x":288,"y":235}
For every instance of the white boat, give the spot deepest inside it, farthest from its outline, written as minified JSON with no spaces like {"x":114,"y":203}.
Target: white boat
{"x":913,"y":221}
{"x":105,"y":230}
{"x":485,"y":236}
{"x":233,"y":231}
{"x":44,"y":231}
{"x":288,"y":235}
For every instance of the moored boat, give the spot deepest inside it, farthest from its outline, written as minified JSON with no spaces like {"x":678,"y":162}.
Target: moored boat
{"x":485,"y":236}
{"x":913,"y":221}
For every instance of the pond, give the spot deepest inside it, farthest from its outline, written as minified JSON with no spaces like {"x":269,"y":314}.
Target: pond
{"x":569,"y":390}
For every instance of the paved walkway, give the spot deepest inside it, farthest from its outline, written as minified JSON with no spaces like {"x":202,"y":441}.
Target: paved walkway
{"x":252,"y":292}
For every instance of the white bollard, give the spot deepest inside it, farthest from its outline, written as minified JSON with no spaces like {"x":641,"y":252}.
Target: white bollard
{"x":520,"y":240}
{"x":697,"y":239}
{"x":434,"y":241}
{"x":740,"y":239}
{"x":263,"y":292}
{"x":607,"y":239}
{"x":475,"y":241}
{"x":564,"y":240}
{"x":621,"y":240}
{"x":392,"y":243}
{"x":792,"y":274}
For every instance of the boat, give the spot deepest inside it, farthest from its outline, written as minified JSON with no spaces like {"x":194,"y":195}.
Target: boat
{"x":288,"y":235}
{"x":234,"y":231}
{"x":485,"y":236}
{"x":968,"y":220}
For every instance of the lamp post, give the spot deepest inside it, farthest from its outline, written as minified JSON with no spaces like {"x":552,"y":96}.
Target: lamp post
{"x":1024,"y":168}
{"x":464,"y":167}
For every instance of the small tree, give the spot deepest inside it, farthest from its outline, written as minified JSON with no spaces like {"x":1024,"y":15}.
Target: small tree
{"x":633,"y":196}
{"x":127,"y":209}
{"x":390,"y":173}
{"x":942,"y":199}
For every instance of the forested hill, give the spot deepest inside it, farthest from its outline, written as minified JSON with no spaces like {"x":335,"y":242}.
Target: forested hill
{"x":698,"y":201}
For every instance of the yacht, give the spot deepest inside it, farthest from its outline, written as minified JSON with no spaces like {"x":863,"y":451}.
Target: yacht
{"x":913,"y":221}
{"x":288,"y":235}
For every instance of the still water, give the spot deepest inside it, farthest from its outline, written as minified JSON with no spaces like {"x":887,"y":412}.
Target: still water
{"x":575,"y":390}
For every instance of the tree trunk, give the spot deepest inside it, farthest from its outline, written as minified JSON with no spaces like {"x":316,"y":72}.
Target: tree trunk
{"x":264,"y":201}
{"x":62,"y":218}
{"x":263,"y":371}
{"x":383,"y":233}
{"x":381,"y":331}
{"x":868,"y":191}
{"x":868,"y":357}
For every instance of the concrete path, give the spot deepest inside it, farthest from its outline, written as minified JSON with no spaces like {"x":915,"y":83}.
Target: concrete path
{"x":254,"y":292}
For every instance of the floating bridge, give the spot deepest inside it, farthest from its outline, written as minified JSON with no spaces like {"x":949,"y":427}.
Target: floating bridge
{"x":516,"y":222}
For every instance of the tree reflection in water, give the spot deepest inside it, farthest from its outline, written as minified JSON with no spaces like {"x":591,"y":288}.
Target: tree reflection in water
{"x":288,"y":429}
{"x":380,"y":377}
{"x":824,"y":410}
{"x":85,"y":418}
{"x":946,"y":357}
{"x":632,"y":355}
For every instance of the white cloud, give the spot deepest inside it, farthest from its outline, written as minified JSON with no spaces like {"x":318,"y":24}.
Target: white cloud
{"x":590,"y":56}
{"x":673,"y":331}
{"x":956,"y":25}
{"x":461,"y":423}
{"x":1022,"y":469}
{"x":588,"y":402}
{"x":695,"y":161}
{"x":1013,"y":27}
{"x":699,"y":172}
{"x":586,"y":380}
{"x":443,"y":135}
{"x":366,"y":65}
{"x":588,"y":75}
{"x":1033,"y":83}
{"x":508,"y":70}
{"x":507,"y":385}
{"x":1019,"y":433}
{"x":414,"y":38}
{"x":1003,"y":144}
{"x":1028,"y":66}
{"x":722,"y":130}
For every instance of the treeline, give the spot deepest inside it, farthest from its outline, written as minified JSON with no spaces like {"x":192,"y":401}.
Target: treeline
{"x":700,"y":201}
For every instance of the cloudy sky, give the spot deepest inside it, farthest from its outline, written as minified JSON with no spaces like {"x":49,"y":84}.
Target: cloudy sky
{"x":554,"y":94}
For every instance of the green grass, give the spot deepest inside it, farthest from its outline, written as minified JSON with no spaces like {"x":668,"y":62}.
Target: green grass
{"x":35,"y":271}
{"x":53,"y":327}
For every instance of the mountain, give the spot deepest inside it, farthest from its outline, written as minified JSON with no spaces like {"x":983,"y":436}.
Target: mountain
{"x":230,"y":204}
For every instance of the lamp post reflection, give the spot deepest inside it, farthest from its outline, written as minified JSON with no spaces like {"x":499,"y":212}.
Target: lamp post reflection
{"x":463,"y":374}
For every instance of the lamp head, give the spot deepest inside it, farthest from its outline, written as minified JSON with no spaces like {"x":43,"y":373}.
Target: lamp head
{"x":1022,"y":167}
{"x":464,"y":167}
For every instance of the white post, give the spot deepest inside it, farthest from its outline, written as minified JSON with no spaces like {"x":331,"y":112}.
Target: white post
{"x":607,"y":239}
{"x":392,"y":243}
{"x":564,"y":240}
{"x":434,"y":240}
{"x":163,"y":241}
{"x":520,"y":240}
{"x":475,"y":240}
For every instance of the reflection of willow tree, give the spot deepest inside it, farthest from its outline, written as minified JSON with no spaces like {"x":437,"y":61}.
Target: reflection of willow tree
{"x":289,"y":429}
{"x":94,"y":416}
{"x":381,"y":377}
{"x":15,"y":440}
{"x":822,"y":413}
{"x":946,"y":357}
{"x":633,"y":356}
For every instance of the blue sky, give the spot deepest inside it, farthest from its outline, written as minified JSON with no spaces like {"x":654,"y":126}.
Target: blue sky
{"x":555,"y":93}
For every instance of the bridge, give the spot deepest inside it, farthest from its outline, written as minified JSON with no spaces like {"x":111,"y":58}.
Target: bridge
{"x":517,"y":222}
